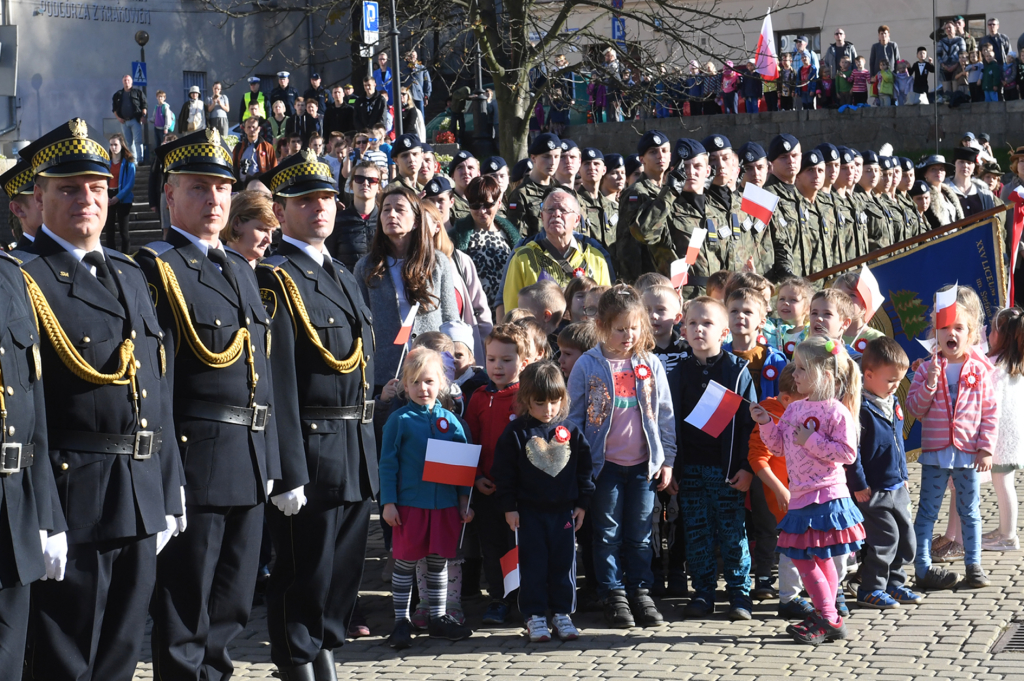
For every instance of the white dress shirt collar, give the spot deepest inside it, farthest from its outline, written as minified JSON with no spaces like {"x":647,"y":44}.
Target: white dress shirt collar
{"x":312,"y":252}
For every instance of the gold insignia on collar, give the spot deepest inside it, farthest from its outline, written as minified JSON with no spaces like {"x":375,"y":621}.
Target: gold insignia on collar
{"x":212,"y":136}
{"x":79,"y":128}
{"x":309,"y":155}
{"x":64,"y":274}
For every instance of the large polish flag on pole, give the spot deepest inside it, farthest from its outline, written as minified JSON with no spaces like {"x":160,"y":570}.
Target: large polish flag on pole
{"x":767,"y":64}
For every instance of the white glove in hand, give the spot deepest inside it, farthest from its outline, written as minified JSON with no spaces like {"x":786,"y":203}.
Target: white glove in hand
{"x":289,"y":503}
{"x":270,"y":487}
{"x":182,"y":522}
{"x":165,"y":536}
{"x":55,"y":555}
{"x":43,"y":536}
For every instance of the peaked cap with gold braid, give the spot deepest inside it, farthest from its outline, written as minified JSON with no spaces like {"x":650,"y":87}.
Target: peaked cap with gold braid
{"x":299,"y":174}
{"x":18,"y":180}
{"x":67,"y":150}
{"x":199,"y":153}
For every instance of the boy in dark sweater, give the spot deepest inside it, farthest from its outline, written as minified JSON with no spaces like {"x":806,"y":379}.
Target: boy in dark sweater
{"x":544,"y":474}
{"x":878,"y":479}
{"x":920,"y":70}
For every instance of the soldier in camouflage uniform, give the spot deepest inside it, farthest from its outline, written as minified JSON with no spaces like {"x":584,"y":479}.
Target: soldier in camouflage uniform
{"x":912,"y":223}
{"x":632,"y":257}
{"x":407,"y":153}
{"x":600,"y":213}
{"x":826,"y":197}
{"x":885,"y":194}
{"x":813,"y":244}
{"x":754,"y":162}
{"x":496,"y":167}
{"x":879,"y":224}
{"x":463,"y":168}
{"x":785,"y":156}
{"x":524,"y":203}
{"x":852,"y":231}
{"x":568,"y":164}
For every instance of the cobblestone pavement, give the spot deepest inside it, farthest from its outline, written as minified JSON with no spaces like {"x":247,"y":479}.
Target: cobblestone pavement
{"x":947,"y":637}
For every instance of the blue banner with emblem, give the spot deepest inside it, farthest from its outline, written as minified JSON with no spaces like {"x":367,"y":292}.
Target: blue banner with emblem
{"x":971,"y":256}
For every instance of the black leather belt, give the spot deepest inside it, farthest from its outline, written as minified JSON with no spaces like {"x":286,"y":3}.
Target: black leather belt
{"x":362,"y":412}
{"x":255,"y":418}
{"x":14,"y":456}
{"x":141,"y":445}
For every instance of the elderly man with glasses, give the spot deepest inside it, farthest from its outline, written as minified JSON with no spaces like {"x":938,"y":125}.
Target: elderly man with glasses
{"x":837,"y":50}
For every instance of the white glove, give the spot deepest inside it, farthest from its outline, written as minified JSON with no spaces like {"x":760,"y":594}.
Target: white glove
{"x":270,"y":487}
{"x":165,"y":536}
{"x":289,"y":503}
{"x":55,"y":555}
{"x":43,"y":536}
{"x":182,"y":522}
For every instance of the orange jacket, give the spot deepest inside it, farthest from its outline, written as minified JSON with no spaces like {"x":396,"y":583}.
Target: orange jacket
{"x":760,"y":458}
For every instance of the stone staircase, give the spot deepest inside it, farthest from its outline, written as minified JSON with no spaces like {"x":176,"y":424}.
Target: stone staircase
{"x":143,"y":223}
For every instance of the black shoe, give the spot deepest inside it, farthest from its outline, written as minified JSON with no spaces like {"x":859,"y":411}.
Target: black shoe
{"x":323,"y":666}
{"x":616,"y":610}
{"x":976,"y":577}
{"x":401,"y":635}
{"x":645,"y":612}
{"x":937,"y":579}
{"x":740,"y":608}
{"x":447,"y":627}
{"x":677,"y":587}
{"x":303,"y":672}
{"x":701,"y":605}
{"x":763,"y":589}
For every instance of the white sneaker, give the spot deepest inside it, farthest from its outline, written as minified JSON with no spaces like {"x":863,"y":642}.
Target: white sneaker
{"x":994,"y":534}
{"x":538,"y":628}
{"x":565,"y":628}
{"x":1000,"y":544}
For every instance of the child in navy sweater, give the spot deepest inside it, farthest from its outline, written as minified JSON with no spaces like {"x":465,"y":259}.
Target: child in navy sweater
{"x":543,"y":473}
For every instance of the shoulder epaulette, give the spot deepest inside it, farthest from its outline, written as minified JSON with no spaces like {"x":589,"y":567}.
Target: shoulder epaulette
{"x":19,"y":259}
{"x":274,"y":261}
{"x":123,"y":257}
{"x":155,"y":248}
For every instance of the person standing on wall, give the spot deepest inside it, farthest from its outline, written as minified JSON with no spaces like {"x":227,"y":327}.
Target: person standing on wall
{"x":130,"y":108}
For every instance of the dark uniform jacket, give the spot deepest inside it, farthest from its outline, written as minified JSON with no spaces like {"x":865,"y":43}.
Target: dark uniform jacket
{"x":29,"y":497}
{"x":226,"y":464}
{"x":340,"y":462}
{"x":286,"y":95}
{"x":104,"y":496}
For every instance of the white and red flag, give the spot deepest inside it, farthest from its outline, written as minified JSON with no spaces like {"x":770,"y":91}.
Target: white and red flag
{"x":767,"y":64}
{"x":945,"y":307}
{"x":403,"y":334}
{"x":510,"y":570}
{"x":716,"y":408}
{"x":758,"y":203}
{"x":679,"y":273}
{"x":451,"y":463}
{"x":696,"y":242}
{"x":870,"y":294}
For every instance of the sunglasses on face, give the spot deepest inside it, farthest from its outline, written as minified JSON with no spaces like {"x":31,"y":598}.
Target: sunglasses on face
{"x":363,"y":179}
{"x":483,"y":206}
{"x":363,"y":142}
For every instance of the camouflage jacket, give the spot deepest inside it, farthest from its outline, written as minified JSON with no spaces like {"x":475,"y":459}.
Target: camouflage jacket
{"x":460,"y":207}
{"x":782,"y":226}
{"x":524,"y":206}
{"x":745,"y":242}
{"x":855,"y":239}
{"x":631,"y":256}
{"x":909,"y":223}
{"x":879,"y":220}
{"x":600,"y":217}
{"x":811,"y":244}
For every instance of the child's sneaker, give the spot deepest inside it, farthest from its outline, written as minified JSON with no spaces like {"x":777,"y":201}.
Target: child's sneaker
{"x":564,"y":627}
{"x":740,"y":608}
{"x":446,"y":627}
{"x":496,"y":613}
{"x":645,"y":612}
{"x":401,"y":635}
{"x":994,"y":534}
{"x":997,"y":543}
{"x":950,"y":552}
{"x":421,"y":616}
{"x":763,"y":589}
{"x":902,"y":594}
{"x":876,"y":599}
{"x":616,"y":610}
{"x":455,"y":610}
{"x":937,"y":579}
{"x":538,"y":628}
{"x":796,"y":609}
{"x":976,"y":577}
{"x":817,"y":630}
{"x":841,"y":608}
{"x":701,"y":605}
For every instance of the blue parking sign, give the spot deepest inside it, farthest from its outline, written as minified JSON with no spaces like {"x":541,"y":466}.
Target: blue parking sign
{"x":619,"y":29}
{"x":371,"y":16}
{"x":139,"y":73}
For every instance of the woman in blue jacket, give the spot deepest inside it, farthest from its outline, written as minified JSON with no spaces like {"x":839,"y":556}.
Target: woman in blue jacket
{"x":119,"y":205}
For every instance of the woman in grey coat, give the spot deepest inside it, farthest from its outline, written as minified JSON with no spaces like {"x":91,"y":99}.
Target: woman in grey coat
{"x":402,"y":269}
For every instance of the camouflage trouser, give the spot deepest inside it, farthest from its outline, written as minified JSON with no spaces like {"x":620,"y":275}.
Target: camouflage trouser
{"x":711,"y":508}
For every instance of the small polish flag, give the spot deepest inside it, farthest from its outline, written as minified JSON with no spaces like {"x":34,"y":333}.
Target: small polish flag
{"x":717,"y":407}
{"x":510,"y":570}
{"x":870,"y":294}
{"x":1017,"y":195}
{"x":680,"y":273}
{"x":696,"y":242}
{"x":767,"y":64}
{"x":403,"y":334}
{"x":451,"y":463}
{"x":758,"y":202}
{"x":945,"y":307}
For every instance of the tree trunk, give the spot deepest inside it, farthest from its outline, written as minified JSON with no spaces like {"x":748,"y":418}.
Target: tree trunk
{"x":512,"y":92}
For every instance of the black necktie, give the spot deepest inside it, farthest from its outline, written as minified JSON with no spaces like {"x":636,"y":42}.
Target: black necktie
{"x":329,"y":266}
{"x":220,"y":258}
{"x":96,"y":259}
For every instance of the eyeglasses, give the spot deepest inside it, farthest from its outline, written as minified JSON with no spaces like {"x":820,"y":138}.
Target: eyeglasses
{"x":556,"y":210}
{"x":363,"y":142}
{"x":839,"y":33}
{"x":483,"y":206}
{"x":363,"y":179}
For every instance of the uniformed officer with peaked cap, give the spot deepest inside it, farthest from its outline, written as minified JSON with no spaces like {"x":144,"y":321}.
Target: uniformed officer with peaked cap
{"x":18,"y":183}
{"x":104,"y":364}
{"x":323,"y":382}
{"x":209,"y":306}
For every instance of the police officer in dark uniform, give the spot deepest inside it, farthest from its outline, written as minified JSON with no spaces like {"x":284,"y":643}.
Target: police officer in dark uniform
{"x":106,"y":369}
{"x":284,"y":92}
{"x":18,"y":184}
{"x":209,"y":307}
{"x":323,"y":388}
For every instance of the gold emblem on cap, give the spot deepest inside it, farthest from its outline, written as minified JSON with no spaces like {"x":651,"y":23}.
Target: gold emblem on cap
{"x":79,"y":128}
{"x":212,"y":136}
{"x":309,"y":155}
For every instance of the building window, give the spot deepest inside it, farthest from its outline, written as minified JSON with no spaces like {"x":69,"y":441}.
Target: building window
{"x":197,"y":78}
{"x":786,"y":40}
{"x":975,"y":24}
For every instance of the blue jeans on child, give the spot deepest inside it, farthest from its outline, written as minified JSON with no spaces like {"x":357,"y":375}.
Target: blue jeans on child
{"x":547,"y":562}
{"x":750,"y":104}
{"x":991,"y":96}
{"x":710,"y":508}
{"x":933,"y":487}
{"x":621,"y":510}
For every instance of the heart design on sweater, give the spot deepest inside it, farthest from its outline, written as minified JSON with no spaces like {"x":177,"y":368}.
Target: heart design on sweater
{"x":551,"y":457}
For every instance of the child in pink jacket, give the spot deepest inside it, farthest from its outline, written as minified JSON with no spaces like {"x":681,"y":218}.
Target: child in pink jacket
{"x":953,"y":397}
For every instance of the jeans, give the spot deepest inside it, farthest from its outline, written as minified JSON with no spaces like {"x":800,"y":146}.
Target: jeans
{"x":132,"y":131}
{"x":621,"y":509}
{"x":884,"y":100}
{"x":991,"y":96}
{"x":933,"y":488}
{"x":712,"y":509}
{"x":751,"y":104}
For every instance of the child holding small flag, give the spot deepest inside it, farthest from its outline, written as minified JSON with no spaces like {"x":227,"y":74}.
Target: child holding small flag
{"x":818,"y":436}
{"x":425,"y":517}
{"x":793,"y":308}
{"x":542,"y":470}
{"x":859,"y":334}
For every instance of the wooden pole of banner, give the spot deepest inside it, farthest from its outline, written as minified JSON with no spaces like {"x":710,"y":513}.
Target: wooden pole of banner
{"x":907,"y":243}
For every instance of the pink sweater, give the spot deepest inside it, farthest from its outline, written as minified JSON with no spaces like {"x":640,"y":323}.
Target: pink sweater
{"x":972,"y":426}
{"x":816,"y":472}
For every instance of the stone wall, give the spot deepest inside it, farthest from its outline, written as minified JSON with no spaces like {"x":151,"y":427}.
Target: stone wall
{"x":910,"y":129}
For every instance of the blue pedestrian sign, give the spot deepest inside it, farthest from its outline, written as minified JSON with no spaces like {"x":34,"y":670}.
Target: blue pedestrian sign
{"x":371,"y":22}
{"x":139,"y":73}
{"x":619,"y":29}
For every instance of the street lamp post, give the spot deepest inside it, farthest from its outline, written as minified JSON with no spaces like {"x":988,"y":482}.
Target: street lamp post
{"x":396,"y":72}
{"x":142,"y":38}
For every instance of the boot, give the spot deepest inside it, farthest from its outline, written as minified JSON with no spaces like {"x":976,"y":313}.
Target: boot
{"x":323,"y":666}
{"x":303,"y":672}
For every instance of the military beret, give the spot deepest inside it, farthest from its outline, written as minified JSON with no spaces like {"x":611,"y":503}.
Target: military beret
{"x":846,"y":155}
{"x":811,"y":158}
{"x":493,"y":165}
{"x":407,"y":142}
{"x":592,"y":154}
{"x":918,"y":188}
{"x":544,"y":143}
{"x":651,"y":138}
{"x":458,"y":159}
{"x":782,"y":144}
{"x":632,"y":164}
{"x":751,"y":152}
{"x":906,"y":165}
{"x":687,"y":148}
{"x":871,"y":158}
{"x":829,"y":152}
{"x":439,"y":184}
{"x":614,"y":161}
{"x":716,"y":143}
{"x":568,"y":145}
{"x":520,"y":170}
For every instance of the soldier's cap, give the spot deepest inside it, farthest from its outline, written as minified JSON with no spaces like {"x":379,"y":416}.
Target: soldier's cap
{"x":19,"y":179}
{"x":716,"y":143}
{"x":632,"y":164}
{"x":427,"y":149}
{"x":68,"y":150}
{"x":407,"y":142}
{"x":544,"y":143}
{"x":458,"y":159}
{"x":969,"y":154}
{"x":614,"y":162}
{"x":918,"y":188}
{"x":283,"y":74}
{"x":829,"y":152}
{"x":198,"y":153}
{"x":782,"y":144}
{"x":298,"y":175}
{"x":846,"y":156}
{"x":520,"y":170}
{"x":439,"y":184}
{"x":568,"y":145}
{"x":493,"y":165}
{"x":751,"y":152}
{"x":886,"y":162}
{"x":935,"y":160}
{"x":651,"y":138}
{"x":906,"y":165}
{"x":315,"y":76}
{"x":811,"y":158}
{"x":870,"y":158}
{"x":254,"y":79}
{"x":687,"y":148}
{"x":592,"y":154}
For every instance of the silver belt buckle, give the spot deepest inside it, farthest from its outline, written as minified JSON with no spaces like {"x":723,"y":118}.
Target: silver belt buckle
{"x":367,"y":411}
{"x":143,"y":445}
{"x":260,"y":415}
{"x":11,"y":458}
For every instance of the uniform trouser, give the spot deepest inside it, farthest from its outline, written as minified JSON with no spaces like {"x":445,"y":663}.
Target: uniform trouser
{"x":313,"y":588}
{"x":709,"y":506}
{"x":547,"y":562}
{"x":891,"y":542}
{"x":762,"y":530}
{"x":90,"y":625}
{"x":13,"y":627}
{"x":205,"y":581}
